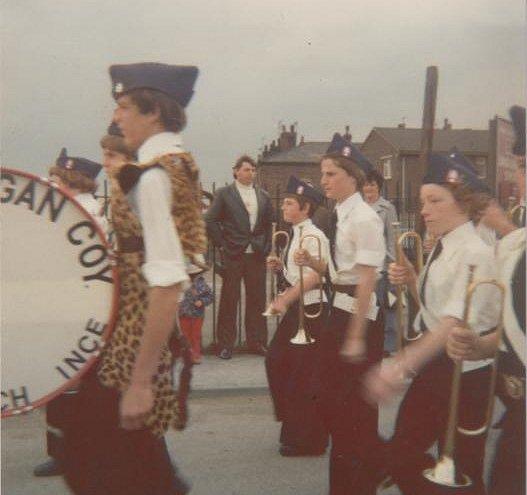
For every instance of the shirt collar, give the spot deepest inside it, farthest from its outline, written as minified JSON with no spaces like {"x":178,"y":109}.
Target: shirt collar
{"x":458,"y":236}
{"x":160,"y":144}
{"x":304,"y":223}
{"x":239,"y":185}
{"x":348,"y":204}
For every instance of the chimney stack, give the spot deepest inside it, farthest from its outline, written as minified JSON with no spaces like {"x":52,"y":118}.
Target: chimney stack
{"x":287,"y":139}
{"x":347,"y":135}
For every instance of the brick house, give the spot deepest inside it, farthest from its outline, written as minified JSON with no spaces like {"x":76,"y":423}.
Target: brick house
{"x":395,"y":153}
{"x":285,"y":157}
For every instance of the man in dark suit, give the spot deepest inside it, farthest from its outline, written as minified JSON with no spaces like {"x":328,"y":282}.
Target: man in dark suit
{"x":239,"y":223}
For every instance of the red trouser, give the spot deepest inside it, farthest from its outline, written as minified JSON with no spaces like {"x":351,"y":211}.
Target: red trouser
{"x":191,"y":328}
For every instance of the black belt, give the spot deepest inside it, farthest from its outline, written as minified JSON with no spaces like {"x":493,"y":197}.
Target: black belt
{"x":131,"y":244}
{"x":345,"y":289}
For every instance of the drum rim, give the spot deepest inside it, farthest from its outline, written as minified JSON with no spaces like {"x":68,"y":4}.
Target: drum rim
{"x":114,"y":307}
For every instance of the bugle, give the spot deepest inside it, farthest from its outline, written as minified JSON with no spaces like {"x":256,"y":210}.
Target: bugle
{"x":446,"y":472}
{"x":302,"y":336}
{"x":274,"y":253}
{"x":403,"y":334}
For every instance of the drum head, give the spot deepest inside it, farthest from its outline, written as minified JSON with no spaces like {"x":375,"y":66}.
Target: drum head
{"x":58,"y":291}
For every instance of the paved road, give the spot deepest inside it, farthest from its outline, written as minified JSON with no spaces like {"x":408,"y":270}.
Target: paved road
{"x":229,"y":448}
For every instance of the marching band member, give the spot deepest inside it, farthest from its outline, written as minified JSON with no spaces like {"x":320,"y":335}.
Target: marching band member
{"x":77,"y":177}
{"x":354,"y":337}
{"x":116,"y":445}
{"x":291,"y":367}
{"x":114,"y":150}
{"x":450,"y":197}
{"x":508,"y":475}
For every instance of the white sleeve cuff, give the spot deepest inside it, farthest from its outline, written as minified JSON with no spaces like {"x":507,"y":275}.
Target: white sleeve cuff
{"x":370,"y":258}
{"x":164,"y":273}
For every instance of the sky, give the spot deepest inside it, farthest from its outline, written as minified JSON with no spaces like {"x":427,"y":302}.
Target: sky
{"x":321,"y":64}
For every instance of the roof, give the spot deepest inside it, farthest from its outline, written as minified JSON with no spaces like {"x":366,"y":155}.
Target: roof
{"x":307,"y":152}
{"x":408,"y":139}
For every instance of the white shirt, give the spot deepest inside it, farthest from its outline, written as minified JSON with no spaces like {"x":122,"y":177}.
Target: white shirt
{"x":510,"y":249}
{"x":359,"y":241}
{"x":447,"y":283}
{"x":248,"y":195}
{"x":487,"y":234}
{"x":151,"y":200}
{"x":92,"y":206}
{"x":292,"y":270}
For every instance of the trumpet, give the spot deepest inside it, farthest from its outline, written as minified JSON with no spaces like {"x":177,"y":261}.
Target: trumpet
{"x":302,"y":337}
{"x":274,"y":252}
{"x":402,"y":332}
{"x":445,"y":472}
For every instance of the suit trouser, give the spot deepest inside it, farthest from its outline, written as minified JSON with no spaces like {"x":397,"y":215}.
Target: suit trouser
{"x":294,"y":382}
{"x":250,"y":268}
{"x":422,"y":420}
{"x":102,"y":459}
{"x":356,"y":451}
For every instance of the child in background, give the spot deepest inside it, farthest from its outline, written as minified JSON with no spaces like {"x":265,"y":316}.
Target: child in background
{"x":192,"y":311}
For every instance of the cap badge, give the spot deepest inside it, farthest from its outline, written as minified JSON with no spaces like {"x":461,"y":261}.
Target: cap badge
{"x":346,"y":151}
{"x":119,"y":87}
{"x":300,"y":190}
{"x":453,"y":176}
{"x":70,"y":164}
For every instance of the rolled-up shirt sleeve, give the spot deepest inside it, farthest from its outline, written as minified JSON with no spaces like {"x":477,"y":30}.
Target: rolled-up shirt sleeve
{"x":164,"y":258}
{"x":370,"y":243}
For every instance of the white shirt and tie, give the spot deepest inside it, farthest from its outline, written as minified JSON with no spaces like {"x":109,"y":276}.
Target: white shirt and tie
{"x":447,"y":280}
{"x":359,"y":241}
{"x":292,"y":270}
{"x":248,"y":195}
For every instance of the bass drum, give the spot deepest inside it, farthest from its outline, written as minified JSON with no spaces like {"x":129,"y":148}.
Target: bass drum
{"x":59,"y":291}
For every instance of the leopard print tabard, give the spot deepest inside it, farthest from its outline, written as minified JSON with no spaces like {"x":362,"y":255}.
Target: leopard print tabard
{"x":119,"y":354}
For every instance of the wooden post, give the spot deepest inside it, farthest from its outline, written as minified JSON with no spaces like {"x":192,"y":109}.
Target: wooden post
{"x":427,"y":132}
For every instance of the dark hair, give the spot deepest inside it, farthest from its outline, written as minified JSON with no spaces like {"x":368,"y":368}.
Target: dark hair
{"x":171,"y":113}
{"x":375,"y":176}
{"x":302,"y":201}
{"x":117,"y":144}
{"x":74,"y":179}
{"x":349,"y":166}
{"x":240,"y":161}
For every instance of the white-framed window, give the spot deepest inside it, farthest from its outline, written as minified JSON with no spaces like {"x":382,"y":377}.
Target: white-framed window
{"x":386,"y":164}
{"x":481,"y":167}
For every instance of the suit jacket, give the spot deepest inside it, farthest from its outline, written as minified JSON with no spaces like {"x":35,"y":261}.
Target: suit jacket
{"x":228,"y":222}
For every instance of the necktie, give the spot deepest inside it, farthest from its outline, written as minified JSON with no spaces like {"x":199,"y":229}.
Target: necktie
{"x":435,"y":254}
{"x":437,"y":251}
{"x":333,"y":234}
{"x":288,"y":247}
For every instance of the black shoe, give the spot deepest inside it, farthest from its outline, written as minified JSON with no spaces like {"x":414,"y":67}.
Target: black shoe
{"x":51,"y":467}
{"x":225,"y":353}
{"x":258,"y":349}
{"x":289,"y":451}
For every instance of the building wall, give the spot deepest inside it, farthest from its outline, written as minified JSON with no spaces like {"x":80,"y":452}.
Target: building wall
{"x":274,"y":176}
